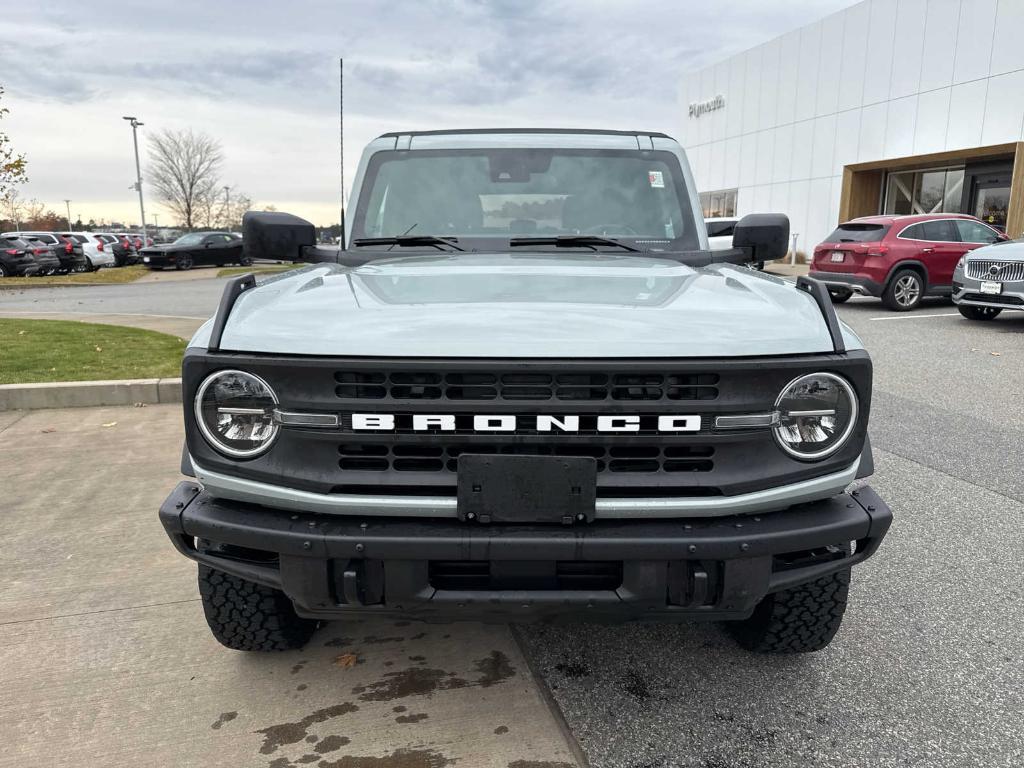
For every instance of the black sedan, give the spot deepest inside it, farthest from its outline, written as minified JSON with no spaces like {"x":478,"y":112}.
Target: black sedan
{"x":197,"y":249}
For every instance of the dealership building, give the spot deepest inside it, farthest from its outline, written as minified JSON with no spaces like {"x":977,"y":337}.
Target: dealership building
{"x":890,"y":106}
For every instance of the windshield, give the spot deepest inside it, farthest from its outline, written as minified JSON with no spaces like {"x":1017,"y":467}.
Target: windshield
{"x":487,"y":197}
{"x":194,"y":238}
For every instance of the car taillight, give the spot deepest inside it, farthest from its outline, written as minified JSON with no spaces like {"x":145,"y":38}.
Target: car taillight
{"x":877,"y":249}
{"x":99,"y":245}
{"x":38,"y":251}
{"x":12,"y":251}
{"x":68,"y":247}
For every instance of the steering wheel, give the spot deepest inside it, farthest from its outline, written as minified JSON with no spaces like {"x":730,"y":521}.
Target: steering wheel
{"x":610,"y":230}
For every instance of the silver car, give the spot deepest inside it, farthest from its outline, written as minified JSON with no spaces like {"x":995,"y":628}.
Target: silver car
{"x":989,"y":280}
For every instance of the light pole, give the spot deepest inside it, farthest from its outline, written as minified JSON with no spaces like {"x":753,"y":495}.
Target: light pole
{"x":156,"y":220}
{"x":68,"y":204}
{"x":227,"y":207}
{"x":138,"y":173}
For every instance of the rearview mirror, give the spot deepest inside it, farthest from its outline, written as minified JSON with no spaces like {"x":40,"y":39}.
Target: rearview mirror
{"x":276,"y":236}
{"x":764,"y":235}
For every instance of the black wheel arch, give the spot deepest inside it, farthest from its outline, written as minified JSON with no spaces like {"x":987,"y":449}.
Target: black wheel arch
{"x":914,"y":264}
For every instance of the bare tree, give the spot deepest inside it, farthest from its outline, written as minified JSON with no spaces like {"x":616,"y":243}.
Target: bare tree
{"x":184,"y":168}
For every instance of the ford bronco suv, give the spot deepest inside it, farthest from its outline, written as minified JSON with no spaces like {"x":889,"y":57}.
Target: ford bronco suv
{"x":524,"y":388}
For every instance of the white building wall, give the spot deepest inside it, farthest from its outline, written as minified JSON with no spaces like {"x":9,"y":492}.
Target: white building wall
{"x":881,"y":79}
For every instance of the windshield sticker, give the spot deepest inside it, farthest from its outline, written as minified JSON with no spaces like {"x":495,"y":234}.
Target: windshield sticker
{"x":656,"y":178}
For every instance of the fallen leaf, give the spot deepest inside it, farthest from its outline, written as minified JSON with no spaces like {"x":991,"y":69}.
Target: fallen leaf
{"x":48,"y":430}
{"x":21,"y":333}
{"x":99,"y":349}
{"x":110,"y":424}
{"x":996,"y":354}
{"x":140,"y":405}
{"x":346,"y":660}
{"x":974,"y":349}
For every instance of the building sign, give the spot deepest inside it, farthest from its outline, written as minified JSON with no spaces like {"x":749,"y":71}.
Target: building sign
{"x":698,"y":108}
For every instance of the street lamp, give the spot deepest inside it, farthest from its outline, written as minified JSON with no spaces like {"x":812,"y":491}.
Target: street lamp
{"x":227,"y":207}
{"x":138,"y":173}
{"x":68,"y":204}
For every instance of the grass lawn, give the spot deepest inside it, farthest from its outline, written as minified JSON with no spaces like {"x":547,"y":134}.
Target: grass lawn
{"x":63,"y":350}
{"x":257,"y":269}
{"x":99,"y":277}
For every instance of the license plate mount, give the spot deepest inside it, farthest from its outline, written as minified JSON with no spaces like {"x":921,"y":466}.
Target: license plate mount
{"x":838,"y":257}
{"x":526,"y":489}
{"x":991,"y":286}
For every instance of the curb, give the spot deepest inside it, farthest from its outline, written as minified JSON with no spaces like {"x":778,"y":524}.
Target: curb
{"x":84,"y":394}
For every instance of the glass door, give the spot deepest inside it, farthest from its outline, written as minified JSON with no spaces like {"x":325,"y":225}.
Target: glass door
{"x":991,"y":202}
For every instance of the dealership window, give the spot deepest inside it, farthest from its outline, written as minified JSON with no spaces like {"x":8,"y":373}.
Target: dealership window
{"x":718,"y":204}
{"x":936,"y":190}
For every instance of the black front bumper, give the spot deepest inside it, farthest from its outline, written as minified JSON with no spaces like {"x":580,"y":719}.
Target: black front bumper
{"x":443,"y":569}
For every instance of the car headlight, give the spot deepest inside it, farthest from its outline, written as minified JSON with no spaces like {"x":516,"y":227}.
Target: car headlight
{"x":235,"y":413}
{"x":816,"y":416}
{"x":962,"y":264}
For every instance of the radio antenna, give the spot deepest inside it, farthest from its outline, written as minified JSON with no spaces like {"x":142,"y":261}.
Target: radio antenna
{"x":341,"y":141}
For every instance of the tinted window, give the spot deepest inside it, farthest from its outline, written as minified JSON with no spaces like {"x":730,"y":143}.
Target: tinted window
{"x":15,"y":242}
{"x":973,"y":232}
{"x":858,"y":233}
{"x":721,"y":228}
{"x":940,"y":231}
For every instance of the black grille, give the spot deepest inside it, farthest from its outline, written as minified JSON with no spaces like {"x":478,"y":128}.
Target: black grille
{"x":994,"y":298}
{"x":378,"y":457}
{"x":524,"y":386}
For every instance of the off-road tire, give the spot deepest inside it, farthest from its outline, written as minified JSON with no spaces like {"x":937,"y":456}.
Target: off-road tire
{"x":246,"y":616}
{"x":797,"y":620}
{"x":979,"y":313}
{"x":896,"y":296}
{"x":839,"y":296}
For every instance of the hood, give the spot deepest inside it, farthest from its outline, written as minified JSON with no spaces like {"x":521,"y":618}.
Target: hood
{"x":526,"y":305}
{"x":1012,"y":250}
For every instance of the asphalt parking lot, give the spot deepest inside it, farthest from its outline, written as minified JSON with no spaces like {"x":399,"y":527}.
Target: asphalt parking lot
{"x":106,"y":660}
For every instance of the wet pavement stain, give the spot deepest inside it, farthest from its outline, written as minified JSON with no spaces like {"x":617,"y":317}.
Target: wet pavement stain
{"x":399,"y":708}
{"x":331,"y":744}
{"x":312,"y":738}
{"x":374,"y":640}
{"x":419,"y":636}
{"x":280,"y":762}
{"x":574,"y":670}
{"x":276,"y":736}
{"x":501,"y":730}
{"x":401,"y":758}
{"x":416,"y":681}
{"x":539,"y":764}
{"x":306,"y":759}
{"x":404,"y":719}
{"x":494,"y":669}
{"x":301,"y":687}
{"x":339,"y":642}
{"x":298,"y":667}
{"x":225,"y":717}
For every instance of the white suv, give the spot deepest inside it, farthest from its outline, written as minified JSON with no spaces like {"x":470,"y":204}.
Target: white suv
{"x":97,"y":253}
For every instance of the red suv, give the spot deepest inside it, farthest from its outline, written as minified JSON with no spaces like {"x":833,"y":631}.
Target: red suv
{"x":900,"y":259}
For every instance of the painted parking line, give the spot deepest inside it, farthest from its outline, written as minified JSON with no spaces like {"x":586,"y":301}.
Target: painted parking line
{"x":914,"y":317}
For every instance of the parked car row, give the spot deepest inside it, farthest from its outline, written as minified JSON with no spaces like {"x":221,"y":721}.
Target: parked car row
{"x":903,"y":259}
{"x":52,"y":253}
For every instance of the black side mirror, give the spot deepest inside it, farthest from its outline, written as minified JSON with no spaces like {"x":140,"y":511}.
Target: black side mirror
{"x":764,"y":235}
{"x":276,"y":236}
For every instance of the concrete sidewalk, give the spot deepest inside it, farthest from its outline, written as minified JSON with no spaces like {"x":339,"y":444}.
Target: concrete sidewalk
{"x":182,"y":326}
{"x":105,"y":659}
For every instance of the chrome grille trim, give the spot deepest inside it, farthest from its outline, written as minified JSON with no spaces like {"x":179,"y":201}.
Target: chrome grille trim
{"x":1008,"y":271}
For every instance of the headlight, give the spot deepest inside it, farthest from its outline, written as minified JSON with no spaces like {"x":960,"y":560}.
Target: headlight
{"x":817,"y":414}
{"x":235,"y":413}
{"x":962,"y":264}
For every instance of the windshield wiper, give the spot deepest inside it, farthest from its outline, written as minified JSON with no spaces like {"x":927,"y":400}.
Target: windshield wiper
{"x":571,"y":241}
{"x":410,"y":241}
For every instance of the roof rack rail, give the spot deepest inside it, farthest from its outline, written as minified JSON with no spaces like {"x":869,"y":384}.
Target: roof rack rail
{"x":236,"y":287}
{"x":819,"y":293}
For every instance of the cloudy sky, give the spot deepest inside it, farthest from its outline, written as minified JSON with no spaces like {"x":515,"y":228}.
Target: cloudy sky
{"x":262,"y":78}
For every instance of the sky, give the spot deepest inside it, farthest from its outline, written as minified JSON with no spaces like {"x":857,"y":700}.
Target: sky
{"x":261,"y":77}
